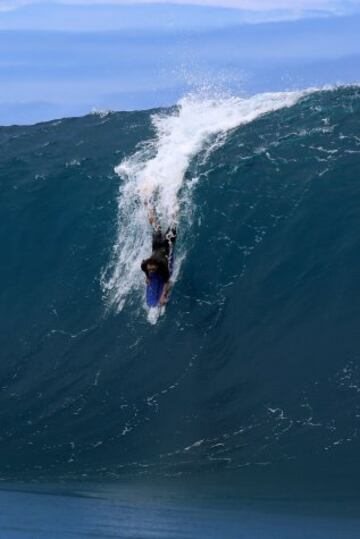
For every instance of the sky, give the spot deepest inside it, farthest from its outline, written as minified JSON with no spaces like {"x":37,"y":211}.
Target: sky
{"x":70,"y":57}
{"x":337,"y":6}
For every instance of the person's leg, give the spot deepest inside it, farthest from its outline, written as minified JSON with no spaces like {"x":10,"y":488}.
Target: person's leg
{"x":157,"y":239}
{"x":153,"y":220}
{"x":170,"y":234}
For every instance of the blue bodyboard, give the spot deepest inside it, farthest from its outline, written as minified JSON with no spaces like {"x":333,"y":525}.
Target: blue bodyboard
{"x":154,"y":290}
{"x":155,"y":287}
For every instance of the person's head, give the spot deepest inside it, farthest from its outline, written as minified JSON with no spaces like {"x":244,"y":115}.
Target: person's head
{"x":152,"y":266}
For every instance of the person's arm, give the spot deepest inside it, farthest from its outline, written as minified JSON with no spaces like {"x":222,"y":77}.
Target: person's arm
{"x":166,"y":276}
{"x":164,"y":295}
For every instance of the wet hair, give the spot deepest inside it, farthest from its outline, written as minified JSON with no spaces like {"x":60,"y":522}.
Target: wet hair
{"x":160,"y":265}
{"x":152,"y":261}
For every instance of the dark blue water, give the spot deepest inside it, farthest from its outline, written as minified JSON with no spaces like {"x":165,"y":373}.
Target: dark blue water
{"x":172,"y":510}
{"x":255,"y":363}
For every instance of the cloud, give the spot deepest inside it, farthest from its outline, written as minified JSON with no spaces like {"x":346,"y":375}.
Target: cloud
{"x":331,"y":6}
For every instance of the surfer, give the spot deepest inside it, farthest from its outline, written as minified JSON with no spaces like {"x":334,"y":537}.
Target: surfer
{"x":159,"y":264}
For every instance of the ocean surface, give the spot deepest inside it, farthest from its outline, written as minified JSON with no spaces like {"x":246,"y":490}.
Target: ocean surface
{"x":173,"y":510}
{"x":255,"y":363}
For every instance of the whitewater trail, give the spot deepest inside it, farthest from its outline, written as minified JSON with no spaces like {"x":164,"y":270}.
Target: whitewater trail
{"x":155,"y":174}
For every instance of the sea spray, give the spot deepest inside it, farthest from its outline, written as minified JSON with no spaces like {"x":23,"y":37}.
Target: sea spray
{"x":155,"y":175}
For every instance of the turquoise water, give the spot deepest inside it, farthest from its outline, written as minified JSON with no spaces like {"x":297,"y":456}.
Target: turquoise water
{"x":256,"y":360}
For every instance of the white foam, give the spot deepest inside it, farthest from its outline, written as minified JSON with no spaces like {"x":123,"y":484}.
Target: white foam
{"x":157,"y":171}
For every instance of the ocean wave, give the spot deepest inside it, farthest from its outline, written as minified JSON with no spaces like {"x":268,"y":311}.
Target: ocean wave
{"x":255,"y":362}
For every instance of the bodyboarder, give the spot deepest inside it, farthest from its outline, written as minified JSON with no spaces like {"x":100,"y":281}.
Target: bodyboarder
{"x":159,"y":264}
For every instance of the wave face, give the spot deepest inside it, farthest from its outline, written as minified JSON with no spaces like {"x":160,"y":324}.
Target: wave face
{"x":256,"y":360}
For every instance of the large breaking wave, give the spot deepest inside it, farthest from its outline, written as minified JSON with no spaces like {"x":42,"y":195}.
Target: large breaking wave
{"x":156,"y":174}
{"x":256,"y":361}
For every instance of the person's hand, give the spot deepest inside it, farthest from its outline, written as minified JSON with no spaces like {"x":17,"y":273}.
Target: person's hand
{"x":163,"y":299}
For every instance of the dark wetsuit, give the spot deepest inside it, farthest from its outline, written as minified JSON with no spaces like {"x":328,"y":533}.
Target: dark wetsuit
{"x":162,"y":245}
